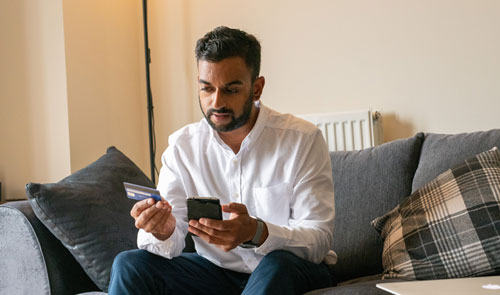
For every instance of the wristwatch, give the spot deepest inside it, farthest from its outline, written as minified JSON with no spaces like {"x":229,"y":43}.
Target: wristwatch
{"x":254,"y":242}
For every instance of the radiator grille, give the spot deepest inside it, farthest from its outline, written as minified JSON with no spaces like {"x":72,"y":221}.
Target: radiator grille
{"x":348,"y":131}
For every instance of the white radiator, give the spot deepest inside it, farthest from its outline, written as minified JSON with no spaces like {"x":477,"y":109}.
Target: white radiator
{"x":348,"y":131}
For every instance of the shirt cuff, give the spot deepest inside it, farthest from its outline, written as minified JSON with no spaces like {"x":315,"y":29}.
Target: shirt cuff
{"x":280,"y":238}
{"x":168,"y":248}
{"x":274,"y":240}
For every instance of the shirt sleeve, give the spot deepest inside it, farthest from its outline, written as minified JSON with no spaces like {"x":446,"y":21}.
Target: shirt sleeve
{"x":309,"y":234}
{"x":172,"y":189}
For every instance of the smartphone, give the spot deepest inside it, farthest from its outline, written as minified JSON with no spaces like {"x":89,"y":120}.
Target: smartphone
{"x":206,"y":207}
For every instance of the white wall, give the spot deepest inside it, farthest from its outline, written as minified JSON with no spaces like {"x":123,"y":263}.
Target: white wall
{"x":34,"y":136}
{"x":431,"y":66}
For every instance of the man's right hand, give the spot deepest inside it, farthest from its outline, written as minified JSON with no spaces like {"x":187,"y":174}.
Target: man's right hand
{"x":154,"y":217}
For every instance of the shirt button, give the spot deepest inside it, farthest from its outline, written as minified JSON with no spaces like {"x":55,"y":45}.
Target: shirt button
{"x":236,"y":195}
{"x":235,"y":161}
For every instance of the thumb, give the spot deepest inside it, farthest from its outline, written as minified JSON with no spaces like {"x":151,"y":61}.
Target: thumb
{"x":235,"y":208}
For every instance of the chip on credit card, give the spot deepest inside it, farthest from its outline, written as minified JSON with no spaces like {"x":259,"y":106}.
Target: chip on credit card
{"x":139,"y":192}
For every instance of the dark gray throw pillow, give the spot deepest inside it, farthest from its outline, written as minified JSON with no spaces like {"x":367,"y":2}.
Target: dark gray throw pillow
{"x":367,"y":184}
{"x":88,"y":212}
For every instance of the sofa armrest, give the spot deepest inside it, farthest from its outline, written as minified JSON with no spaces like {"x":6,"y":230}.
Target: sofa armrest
{"x":32,"y":260}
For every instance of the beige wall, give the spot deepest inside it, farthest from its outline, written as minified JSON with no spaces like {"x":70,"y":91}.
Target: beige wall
{"x":105,"y":73}
{"x":71,"y":88}
{"x":72,"y":83}
{"x":430,"y":66}
{"x":171,"y":68}
{"x":34,"y":137}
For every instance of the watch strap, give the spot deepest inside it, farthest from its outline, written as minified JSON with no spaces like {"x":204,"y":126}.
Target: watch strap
{"x":254,"y":242}
{"x":258,"y":234}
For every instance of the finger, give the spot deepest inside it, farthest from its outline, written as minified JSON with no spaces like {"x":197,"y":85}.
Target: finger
{"x":157,"y":220}
{"x":225,"y":240}
{"x":205,"y":236}
{"x":235,"y":208}
{"x":140,"y":206}
{"x":161,"y":224}
{"x":157,"y":223}
{"x":142,"y":220}
{"x":219,"y":225}
{"x":163,"y":205}
{"x":209,"y":230}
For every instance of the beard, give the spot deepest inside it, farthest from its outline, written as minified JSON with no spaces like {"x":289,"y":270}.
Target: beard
{"x":236,"y":122}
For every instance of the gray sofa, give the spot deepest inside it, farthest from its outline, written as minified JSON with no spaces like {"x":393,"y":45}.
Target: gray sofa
{"x":367,"y":183}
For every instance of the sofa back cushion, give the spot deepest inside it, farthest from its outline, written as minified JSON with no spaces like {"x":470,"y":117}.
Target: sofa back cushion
{"x":440,"y":152}
{"x":367,"y":184}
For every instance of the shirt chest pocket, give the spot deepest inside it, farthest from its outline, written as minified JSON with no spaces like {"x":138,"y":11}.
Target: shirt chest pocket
{"x":272,"y":203}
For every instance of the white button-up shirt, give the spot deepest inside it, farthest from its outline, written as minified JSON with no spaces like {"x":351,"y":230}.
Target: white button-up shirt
{"x":281,"y":173}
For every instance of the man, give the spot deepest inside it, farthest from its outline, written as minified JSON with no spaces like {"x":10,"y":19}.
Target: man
{"x":270,"y":171}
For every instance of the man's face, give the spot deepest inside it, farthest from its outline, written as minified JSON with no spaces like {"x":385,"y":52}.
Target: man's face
{"x":226,"y":93}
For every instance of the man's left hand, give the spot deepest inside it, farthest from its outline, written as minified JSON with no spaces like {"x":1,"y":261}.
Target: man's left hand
{"x":226,"y":234}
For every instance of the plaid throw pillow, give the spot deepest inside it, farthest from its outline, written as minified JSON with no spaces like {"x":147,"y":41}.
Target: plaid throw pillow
{"x":449,"y":228}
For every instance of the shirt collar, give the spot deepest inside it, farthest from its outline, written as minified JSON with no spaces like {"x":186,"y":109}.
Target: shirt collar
{"x":257,"y":128}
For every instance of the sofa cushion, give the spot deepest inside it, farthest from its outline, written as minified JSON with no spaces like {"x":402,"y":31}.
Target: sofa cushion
{"x":21,"y":271}
{"x":450,"y":227}
{"x":440,"y":152}
{"x":367,"y":184}
{"x":21,"y":257}
{"x":88,"y":212}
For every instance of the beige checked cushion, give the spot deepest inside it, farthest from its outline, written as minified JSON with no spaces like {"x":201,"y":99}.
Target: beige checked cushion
{"x":449,"y":228}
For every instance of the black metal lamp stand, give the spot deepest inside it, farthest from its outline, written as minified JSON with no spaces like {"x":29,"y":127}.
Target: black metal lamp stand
{"x":151,"y":127}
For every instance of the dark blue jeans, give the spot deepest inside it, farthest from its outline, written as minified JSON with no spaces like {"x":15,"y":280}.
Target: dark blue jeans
{"x":279,"y":272}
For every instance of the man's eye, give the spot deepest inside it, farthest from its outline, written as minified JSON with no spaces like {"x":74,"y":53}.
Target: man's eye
{"x":232,"y":91}
{"x":205,"y":89}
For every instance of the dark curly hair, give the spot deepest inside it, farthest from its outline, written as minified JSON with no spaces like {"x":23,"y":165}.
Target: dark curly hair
{"x":223,"y":42}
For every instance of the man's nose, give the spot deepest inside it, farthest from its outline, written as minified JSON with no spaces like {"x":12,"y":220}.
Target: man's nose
{"x":218,"y":100}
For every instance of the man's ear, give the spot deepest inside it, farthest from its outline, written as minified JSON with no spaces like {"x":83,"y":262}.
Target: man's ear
{"x":258,"y":87}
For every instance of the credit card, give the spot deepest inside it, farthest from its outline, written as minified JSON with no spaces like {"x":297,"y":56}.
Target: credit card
{"x":139,"y":192}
